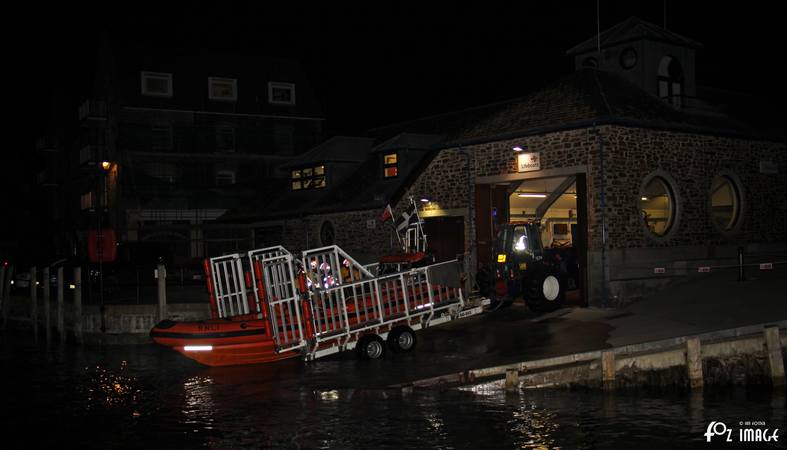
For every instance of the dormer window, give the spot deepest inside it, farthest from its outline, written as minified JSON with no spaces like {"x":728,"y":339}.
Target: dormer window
{"x":156,"y":84}
{"x":308,"y":178}
{"x":670,"y":81}
{"x":223,"y":89}
{"x":390,"y":165}
{"x":281,"y":93}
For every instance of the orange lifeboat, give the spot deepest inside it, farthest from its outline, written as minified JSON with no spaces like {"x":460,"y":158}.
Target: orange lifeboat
{"x":220,"y":342}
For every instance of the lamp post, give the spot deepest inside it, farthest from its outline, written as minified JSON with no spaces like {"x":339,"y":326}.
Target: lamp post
{"x":106,"y":166}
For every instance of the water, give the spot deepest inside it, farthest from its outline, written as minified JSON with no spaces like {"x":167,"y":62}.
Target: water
{"x":150,"y":397}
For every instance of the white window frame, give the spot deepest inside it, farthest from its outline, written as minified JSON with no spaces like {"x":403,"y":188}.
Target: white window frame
{"x":230,"y":174}
{"x":232,"y":81}
{"x":281,"y":85}
{"x":156,"y":75}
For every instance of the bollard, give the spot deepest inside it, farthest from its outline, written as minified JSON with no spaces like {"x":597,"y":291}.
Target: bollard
{"x":78,"y":303}
{"x":61,"y":329}
{"x":47,"y":330}
{"x":34,"y":302}
{"x":694,"y":362}
{"x":2,"y":286}
{"x":741,"y":273}
{"x":608,"y":370}
{"x":7,"y":294}
{"x":773,"y":345}
{"x":161,"y":274}
{"x":512,"y":379}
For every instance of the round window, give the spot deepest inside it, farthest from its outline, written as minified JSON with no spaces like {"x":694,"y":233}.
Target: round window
{"x":628,"y":58}
{"x":725,"y":202}
{"x":657,"y":206}
{"x":327,"y":235}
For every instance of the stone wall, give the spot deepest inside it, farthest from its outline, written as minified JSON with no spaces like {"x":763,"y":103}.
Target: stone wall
{"x":691,"y":161}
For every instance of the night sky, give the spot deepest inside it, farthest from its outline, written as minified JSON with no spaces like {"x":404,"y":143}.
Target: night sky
{"x":375,"y":63}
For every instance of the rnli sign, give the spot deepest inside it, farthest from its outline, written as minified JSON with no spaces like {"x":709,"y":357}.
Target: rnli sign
{"x":528,"y":162}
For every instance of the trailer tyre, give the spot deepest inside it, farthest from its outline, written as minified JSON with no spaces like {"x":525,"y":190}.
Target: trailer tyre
{"x":546,"y":293}
{"x":402,"y":339}
{"x":370,"y":346}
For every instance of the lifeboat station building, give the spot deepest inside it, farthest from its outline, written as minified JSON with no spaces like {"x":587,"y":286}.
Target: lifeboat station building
{"x":622,"y":160}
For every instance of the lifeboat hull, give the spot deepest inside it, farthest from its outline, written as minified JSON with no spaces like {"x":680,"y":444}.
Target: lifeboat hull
{"x":220,"y":342}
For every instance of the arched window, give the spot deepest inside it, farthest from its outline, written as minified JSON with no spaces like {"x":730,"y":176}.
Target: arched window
{"x":670,"y":81}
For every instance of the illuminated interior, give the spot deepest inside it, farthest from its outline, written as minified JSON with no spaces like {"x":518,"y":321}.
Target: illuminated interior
{"x":556,"y":224}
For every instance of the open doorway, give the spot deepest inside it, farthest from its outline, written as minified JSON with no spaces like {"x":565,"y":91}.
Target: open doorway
{"x":558,"y":204}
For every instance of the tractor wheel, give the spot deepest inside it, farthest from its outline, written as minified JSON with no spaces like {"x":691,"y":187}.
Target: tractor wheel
{"x":546,"y":293}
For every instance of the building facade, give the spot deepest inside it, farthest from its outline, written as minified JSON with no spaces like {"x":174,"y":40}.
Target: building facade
{"x":620,"y":160}
{"x":165,"y":140}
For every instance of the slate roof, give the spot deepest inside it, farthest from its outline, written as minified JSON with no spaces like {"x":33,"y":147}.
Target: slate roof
{"x":348,"y":149}
{"x":579,"y":100}
{"x":632,"y":29}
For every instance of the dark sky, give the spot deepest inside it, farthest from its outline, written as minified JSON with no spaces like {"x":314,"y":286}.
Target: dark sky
{"x":377,"y":63}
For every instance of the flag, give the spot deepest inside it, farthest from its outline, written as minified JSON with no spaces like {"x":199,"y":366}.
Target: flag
{"x":386,"y":215}
{"x":408,"y":218}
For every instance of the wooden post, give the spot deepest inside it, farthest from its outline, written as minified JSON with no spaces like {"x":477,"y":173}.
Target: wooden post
{"x":34,"y":302}
{"x":161,"y":274}
{"x":47,"y":328}
{"x":9,"y":275}
{"x":774,"y":347}
{"x":512,"y":379}
{"x":694,"y":362}
{"x":61,"y":329}
{"x":608,"y":370}
{"x":78,"y":303}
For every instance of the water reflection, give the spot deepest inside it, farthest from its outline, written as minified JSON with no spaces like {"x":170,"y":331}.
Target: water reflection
{"x":198,"y":407}
{"x":111,"y":389}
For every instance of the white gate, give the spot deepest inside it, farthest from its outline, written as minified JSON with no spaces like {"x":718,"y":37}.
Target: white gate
{"x":230,"y":287}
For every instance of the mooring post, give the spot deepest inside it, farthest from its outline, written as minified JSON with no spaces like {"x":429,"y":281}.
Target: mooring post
{"x":61,"y":329}
{"x":47,"y":330}
{"x":512,"y":379}
{"x":3,"y":299}
{"x":161,"y":274}
{"x":34,"y":302}
{"x":773,"y":344}
{"x":694,"y":362}
{"x":78,"y":303}
{"x":608,"y":370}
{"x":9,"y":275}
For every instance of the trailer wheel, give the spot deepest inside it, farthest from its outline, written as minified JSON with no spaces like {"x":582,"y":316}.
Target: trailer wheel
{"x":402,"y":339}
{"x":370,"y":346}
{"x":545,"y":293}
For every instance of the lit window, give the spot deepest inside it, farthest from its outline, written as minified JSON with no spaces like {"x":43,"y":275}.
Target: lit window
{"x":157,"y":84}
{"x":725,"y":203}
{"x":390,"y":165}
{"x":86,"y":200}
{"x":308,"y":178}
{"x":281,"y":93}
{"x":657,"y":206}
{"x":223,"y":89}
